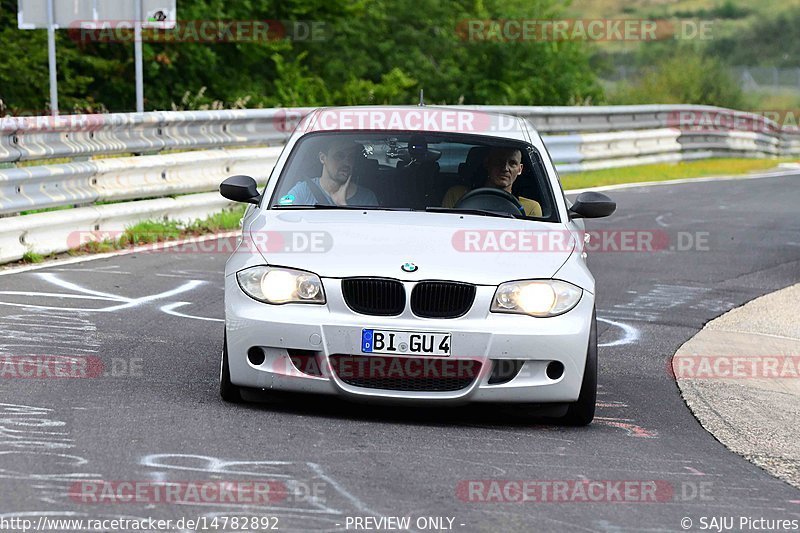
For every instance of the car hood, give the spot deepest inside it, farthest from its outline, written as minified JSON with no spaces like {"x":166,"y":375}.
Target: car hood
{"x":469,"y":248}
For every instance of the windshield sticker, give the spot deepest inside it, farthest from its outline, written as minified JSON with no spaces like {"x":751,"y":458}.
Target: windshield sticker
{"x":287,"y":200}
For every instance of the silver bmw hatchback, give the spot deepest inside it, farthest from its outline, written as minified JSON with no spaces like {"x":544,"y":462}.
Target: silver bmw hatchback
{"x":413,"y":254}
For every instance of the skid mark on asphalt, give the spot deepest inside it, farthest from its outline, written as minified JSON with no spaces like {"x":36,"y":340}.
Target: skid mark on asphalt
{"x":626,"y":424}
{"x":78,"y":292}
{"x":313,"y":508}
{"x":632,"y":429}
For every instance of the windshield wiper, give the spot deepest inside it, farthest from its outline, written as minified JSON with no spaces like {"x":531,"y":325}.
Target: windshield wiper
{"x":336,"y":206}
{"x":483,"y":212}
{"x":314,"y":206}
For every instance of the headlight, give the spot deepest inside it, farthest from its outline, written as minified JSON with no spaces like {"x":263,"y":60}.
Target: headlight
{"x":536,"y":297}
{"x":281,"y":285}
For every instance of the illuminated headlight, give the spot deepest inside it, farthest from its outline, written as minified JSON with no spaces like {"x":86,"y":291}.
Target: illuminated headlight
{"x":281,"y":285}
{"x":536,"y":297}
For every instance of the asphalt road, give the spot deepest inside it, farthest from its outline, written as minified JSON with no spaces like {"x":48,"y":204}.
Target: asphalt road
{"x":154,"y":413}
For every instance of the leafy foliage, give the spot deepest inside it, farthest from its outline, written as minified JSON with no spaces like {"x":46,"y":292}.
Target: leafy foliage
{"x":683,"y":76}
{"x":368,"y":51}
{"x":770,"y":41}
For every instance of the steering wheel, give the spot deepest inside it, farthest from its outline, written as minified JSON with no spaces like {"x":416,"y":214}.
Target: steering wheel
{"x":491,"y":199}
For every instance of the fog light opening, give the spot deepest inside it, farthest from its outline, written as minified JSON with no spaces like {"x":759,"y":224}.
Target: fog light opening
{"x":504,"y":370}
{"x":256,"y":356}
{"x":305,"y":361}
{"x":555,"y":370}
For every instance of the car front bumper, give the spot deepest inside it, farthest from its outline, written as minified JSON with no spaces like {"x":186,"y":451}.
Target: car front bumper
{"x":335,"y":329}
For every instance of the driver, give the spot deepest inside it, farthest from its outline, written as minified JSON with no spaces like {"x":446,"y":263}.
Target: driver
{"x":335,"y":186}
{"x":503,"y":166}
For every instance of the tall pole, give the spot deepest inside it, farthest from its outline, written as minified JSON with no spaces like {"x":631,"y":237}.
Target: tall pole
{"x":137,"y":52}
{"x":51,"y":57}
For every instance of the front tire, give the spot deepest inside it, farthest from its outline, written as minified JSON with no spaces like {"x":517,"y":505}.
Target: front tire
{"x":581,"y":413}
{"x":229,"y":392}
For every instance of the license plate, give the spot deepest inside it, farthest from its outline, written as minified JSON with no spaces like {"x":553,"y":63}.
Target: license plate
{"x":405,"y":342}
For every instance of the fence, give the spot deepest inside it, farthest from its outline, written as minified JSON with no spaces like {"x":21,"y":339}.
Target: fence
{"x":164,"y":164}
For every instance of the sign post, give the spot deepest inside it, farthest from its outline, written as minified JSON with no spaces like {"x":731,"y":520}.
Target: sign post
{"x":51,"y":57}
{"x":137,"y":53}
{"x":94,"y":14}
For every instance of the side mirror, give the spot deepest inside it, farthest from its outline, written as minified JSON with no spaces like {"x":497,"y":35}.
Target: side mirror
{"x":592,"y":204}
{"x":240,"y":189}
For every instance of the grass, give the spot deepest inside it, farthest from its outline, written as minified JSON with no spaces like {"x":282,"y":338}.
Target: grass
{"x":224,"y":220}
{"x":148,"y":232}
{"x":32,"y":257}
{"x":667,"y":171}
{"x":154,"y":231}
{"x":721,"y":9}
{"x":46,"y":209}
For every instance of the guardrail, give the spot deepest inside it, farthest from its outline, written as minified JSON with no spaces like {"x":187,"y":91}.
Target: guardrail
{"x":215,"y":144}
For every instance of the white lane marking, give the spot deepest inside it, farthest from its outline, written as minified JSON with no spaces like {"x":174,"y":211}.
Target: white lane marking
{"x":31,"y":450}
{"x":99,"y":270}
{"x":283,"y":470}
{"x":662,"y":297}
{"x":660,"y":220}
{"x":188,"y":286}
{"x":129,"y":302}
{"x":630,"y":333}
{"x":170,"y":310}
{"x":361,"y":506}
{"x":55,"y":280}
{"x":212,"y":465}
{"x":90,"y":294}
{"x":9,"y":324}
{"x":58,"y":295}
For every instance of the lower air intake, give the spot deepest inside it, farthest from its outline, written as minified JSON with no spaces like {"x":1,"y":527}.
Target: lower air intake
{"x":412,"y":374}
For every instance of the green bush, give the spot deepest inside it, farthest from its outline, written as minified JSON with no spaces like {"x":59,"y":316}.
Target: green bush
{"x":370,"y":52}
{"x":32,"y":257}
{"x":769,"y":41}
{"x":685,"y":77}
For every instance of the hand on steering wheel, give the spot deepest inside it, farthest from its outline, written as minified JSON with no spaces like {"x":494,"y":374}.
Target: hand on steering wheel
{"x":491,"y":199}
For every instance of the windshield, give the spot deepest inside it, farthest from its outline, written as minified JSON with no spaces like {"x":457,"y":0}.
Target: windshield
{"x":446,"y":173}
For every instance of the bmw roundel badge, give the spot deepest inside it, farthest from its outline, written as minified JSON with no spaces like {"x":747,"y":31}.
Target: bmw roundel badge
{"x":409,"y":267}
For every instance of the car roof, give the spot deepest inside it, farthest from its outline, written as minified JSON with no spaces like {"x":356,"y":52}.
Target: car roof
{"x":416,"y":118}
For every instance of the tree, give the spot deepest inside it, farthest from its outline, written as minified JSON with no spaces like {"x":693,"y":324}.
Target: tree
{"x":371,"y":52}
